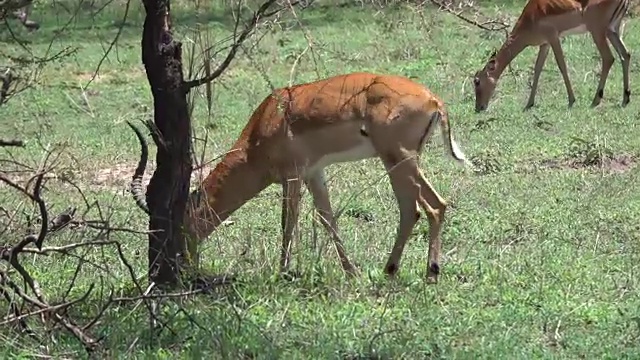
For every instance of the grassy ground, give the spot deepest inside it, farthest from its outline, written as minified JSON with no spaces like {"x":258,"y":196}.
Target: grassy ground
{"x":541,"y":252}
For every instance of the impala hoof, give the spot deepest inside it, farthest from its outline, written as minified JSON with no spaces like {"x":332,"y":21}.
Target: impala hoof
{"x":432,"y":273}
{"x":598,"y":98}
{"x":627,"y":98}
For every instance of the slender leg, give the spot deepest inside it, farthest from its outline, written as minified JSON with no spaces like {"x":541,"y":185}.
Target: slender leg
{"x":316,"y":185}
{"x":600,"y":39}
{"x":542,"y":57}
{"x":290,"y":210}
{"x":554,"y":42}
{"x":434,"y":206}
{"x":402,"y":174}
{"x":625,"y":57}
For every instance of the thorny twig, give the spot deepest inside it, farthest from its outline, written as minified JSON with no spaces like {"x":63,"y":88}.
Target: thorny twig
{"x":32,"y":294}
{"x":11,"y":256}
{"x":490,"y":25}
{"x":238,"y":40}
{"x":11,"y":276}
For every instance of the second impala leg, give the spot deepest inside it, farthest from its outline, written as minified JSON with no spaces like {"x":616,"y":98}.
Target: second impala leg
{"x":600,"y":39}
{"x":554,"y":42}
{"x":434,"y":206}
{"x":290,"y":209}
{"x":625,"y":57}
{"x":402,"y":173}
{"x":542,"y":57}
{"x":316,"y":185}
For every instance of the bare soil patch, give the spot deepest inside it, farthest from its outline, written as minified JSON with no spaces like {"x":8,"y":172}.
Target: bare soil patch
{"x":115,"y":177}
{"x":611,"y":164}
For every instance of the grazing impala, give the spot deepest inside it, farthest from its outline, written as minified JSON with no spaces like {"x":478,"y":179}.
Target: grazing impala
{"x":542,"y":23}
{"x":297,"y":131}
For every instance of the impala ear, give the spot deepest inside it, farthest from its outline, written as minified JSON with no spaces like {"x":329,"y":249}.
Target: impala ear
{"x":433,"y":105}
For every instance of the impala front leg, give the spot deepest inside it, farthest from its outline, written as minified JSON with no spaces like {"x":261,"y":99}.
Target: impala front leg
{"x":554,"y":42}
{"x":542,"y":57}
{"x":290,"y":209}
{"x":317,"y":187}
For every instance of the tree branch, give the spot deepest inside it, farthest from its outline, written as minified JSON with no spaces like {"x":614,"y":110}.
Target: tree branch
{"x":248,"y":29}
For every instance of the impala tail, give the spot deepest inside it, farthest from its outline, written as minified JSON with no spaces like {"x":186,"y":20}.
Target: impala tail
{"x":451,"y":146}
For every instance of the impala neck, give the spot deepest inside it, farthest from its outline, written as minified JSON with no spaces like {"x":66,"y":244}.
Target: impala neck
{"x":233,"y":182}
{"x":512,"y":47}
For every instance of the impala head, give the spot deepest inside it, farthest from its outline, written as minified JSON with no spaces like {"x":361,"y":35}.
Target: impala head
{"x":484,"y":83}
{"x":198,"y":219}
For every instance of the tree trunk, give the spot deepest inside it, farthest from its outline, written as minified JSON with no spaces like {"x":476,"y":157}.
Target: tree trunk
{"x":168,"y":188}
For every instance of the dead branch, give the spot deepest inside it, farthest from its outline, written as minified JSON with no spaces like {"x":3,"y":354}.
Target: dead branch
{"x":35,"y":197}
{"x":489,"y":25}
{"x":20,"y":287}
{"x":11,"y":291}
{"x":238,"y":40}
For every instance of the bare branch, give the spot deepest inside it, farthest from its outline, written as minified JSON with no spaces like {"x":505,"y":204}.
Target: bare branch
{"x":248,"y":29}
{"x":490,"y":25}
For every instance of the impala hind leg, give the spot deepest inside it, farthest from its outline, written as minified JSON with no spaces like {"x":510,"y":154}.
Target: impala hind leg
{"x":625,"y":57}
{"x":434,"y":206}
{"x":403,"y":181}
{"x":317,"y":186}
{"x":290,"y":210}
{"x":600,"y":39}
{"x":554,"y":42}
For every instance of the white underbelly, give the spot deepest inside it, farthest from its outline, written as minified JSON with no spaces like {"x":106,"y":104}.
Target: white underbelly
{"x":575,"y":31}
{"x":364,"y":150}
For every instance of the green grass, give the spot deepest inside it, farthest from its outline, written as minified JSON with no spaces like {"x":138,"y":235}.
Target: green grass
{"x":541,"y":252}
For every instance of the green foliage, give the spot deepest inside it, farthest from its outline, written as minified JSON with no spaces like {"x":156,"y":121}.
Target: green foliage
{"x":539,"y":261}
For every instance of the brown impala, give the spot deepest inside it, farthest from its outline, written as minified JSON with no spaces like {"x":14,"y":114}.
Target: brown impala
{"x":297,"y":131}
{"x":542,"y":23}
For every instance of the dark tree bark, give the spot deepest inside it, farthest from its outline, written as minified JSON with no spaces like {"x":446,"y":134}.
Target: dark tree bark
{"x":168,"y":188}
{"x":167,"y":192}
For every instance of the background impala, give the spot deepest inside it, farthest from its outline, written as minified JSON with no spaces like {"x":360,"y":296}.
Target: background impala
{"x":542,"y":23}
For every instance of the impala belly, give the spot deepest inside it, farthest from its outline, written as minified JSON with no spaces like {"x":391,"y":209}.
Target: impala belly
{"x":571,"y":23}
{"x":362,"y":150}
{"x":581,"y":29}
